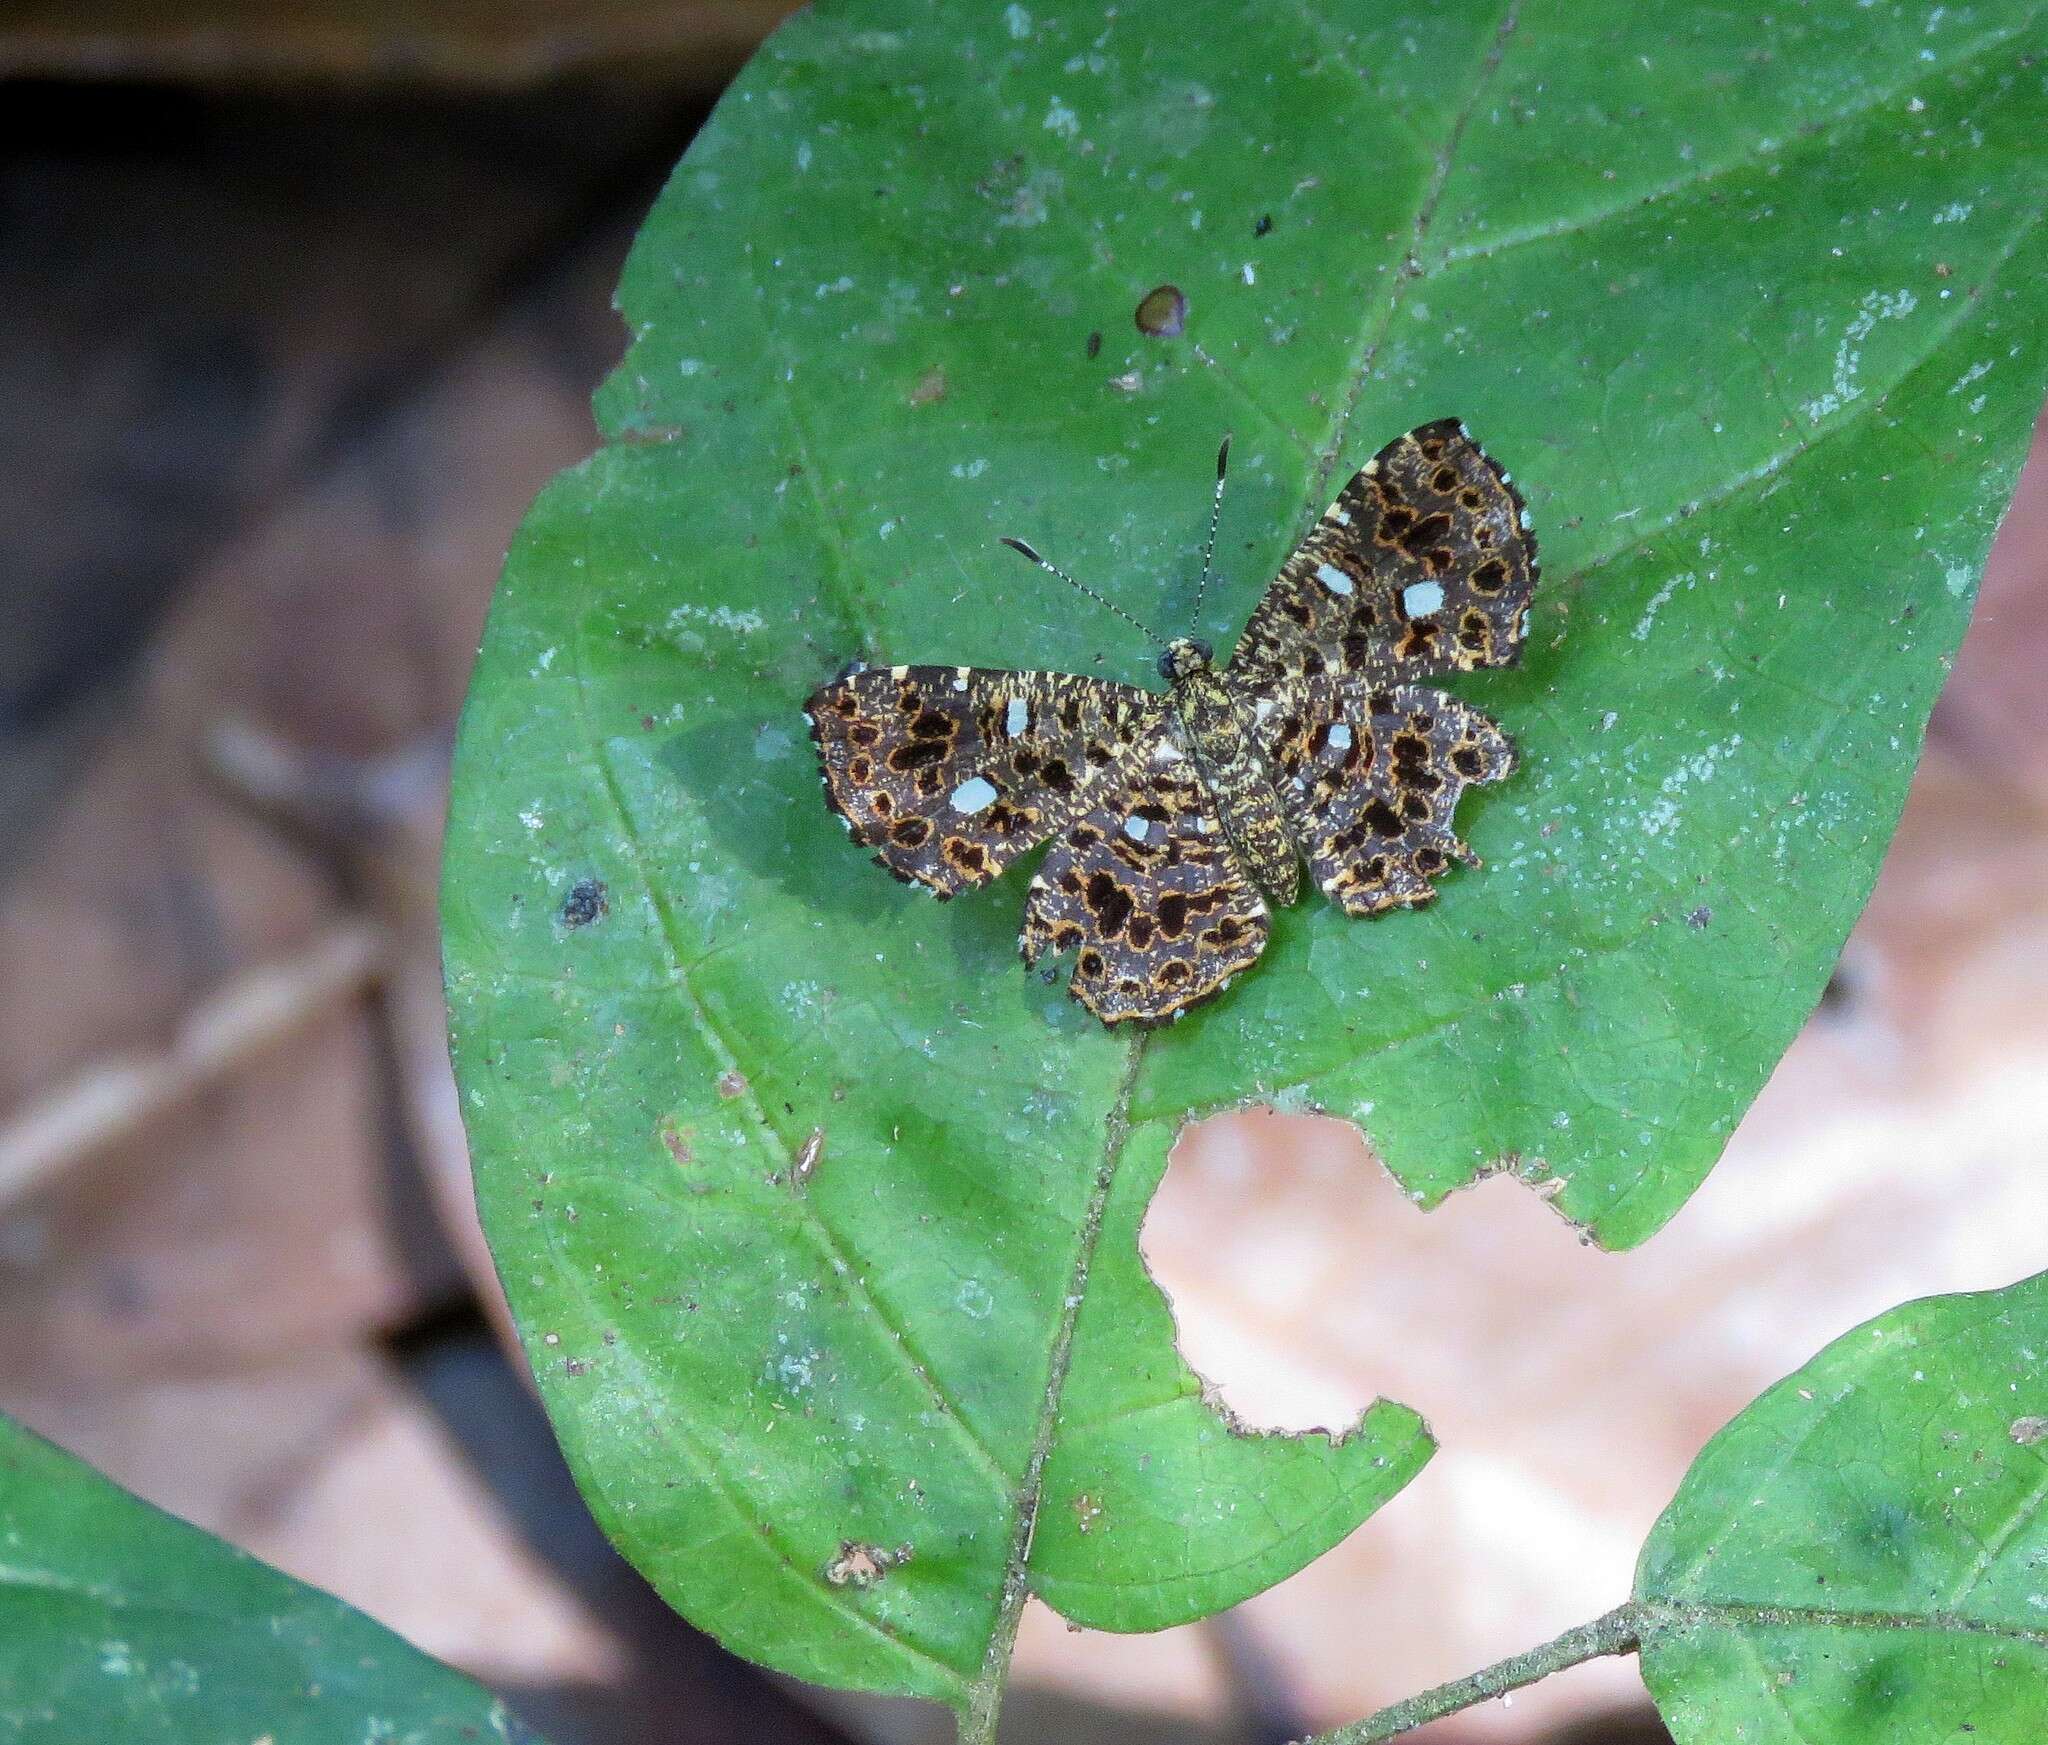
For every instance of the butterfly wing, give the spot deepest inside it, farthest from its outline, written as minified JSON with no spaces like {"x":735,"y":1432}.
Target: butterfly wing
{"x":1371,"y":776}
{"x":1142,"y":885}
{"x":950,"y":773}
{"x":1423,"y":565}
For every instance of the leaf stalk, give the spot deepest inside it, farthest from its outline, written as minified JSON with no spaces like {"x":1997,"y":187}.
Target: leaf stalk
{"x":1615,"y":1632}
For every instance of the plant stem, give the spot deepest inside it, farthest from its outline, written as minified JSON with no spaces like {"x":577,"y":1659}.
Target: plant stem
{"x":1615,"y":1633}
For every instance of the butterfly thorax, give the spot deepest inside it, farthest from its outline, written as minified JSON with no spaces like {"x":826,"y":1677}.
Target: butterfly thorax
{"x":1239,"y":777}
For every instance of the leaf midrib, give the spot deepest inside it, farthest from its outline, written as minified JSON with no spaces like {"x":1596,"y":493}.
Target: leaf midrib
{"x":1739,"y":1615}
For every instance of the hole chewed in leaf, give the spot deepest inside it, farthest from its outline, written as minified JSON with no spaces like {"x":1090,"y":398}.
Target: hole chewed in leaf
{"x":1302,"y":1278}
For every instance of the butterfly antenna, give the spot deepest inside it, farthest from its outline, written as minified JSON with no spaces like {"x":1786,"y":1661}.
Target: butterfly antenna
{"x":1215,"y":515}
{"x":1017,"y":545}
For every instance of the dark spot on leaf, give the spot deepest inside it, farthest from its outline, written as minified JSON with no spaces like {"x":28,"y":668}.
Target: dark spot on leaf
{"x":1162,"y":313}
{"x":1095,"y":343}
{"x":585,"y":903}
{"x":1700,"y":916}
{"x":1264,"y":224}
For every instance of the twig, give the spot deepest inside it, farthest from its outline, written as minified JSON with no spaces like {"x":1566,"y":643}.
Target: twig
{"x":121,"y":1095}
{"x":1615,"y":1633}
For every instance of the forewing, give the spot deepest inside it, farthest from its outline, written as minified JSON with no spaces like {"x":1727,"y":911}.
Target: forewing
{"x":950,"y":773}
{"x":1371,"y":776}
{"x":1143,"y":887}
{"x":1423,"y":565}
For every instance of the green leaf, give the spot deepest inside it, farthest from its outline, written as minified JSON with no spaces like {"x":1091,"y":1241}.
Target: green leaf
{"x":1863,"y":1553}
{"x":819,"y":1216}
{"x":120,"y":1623}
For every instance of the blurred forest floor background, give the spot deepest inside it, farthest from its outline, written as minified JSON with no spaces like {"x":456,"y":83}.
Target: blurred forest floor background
{"x":297,"y":311}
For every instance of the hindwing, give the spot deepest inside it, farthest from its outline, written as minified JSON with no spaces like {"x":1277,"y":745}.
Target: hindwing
{"x":1371,"y":777}
{"x":1144,"y":888}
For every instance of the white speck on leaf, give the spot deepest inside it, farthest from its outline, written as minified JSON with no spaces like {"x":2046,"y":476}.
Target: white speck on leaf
{"x":1648,"y":621}
{"x":1975,"y":373}
{"x":1876,"y":306}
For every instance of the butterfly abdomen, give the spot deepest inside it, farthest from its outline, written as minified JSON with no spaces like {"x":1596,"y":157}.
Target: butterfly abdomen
{"x":1242,"y":782}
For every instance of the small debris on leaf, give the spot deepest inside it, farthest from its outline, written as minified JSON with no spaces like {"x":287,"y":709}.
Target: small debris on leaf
{"x":862,"y":1565}
{"x":808,"y":1155}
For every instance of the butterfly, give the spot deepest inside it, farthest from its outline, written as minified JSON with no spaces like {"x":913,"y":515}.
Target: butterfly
{"x":1178,"y":819}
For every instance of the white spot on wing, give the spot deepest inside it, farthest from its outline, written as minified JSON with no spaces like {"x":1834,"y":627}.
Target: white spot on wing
{"x":1017,"y":717}
{"x":976,"y":794}
{"x":1337,"y":515}
{"x":1419,"y":599}
{"x":1135,"y":829}
{"x":1340,"y":737}
{"x":960,"y":678}
{"x":1333,"y":578}
{"x":1263,"y":707}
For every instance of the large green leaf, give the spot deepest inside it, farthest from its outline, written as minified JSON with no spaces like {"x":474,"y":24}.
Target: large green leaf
{"x":818,"y":1216}
{"x":121,"y":1625}
{"x":1863,"y":1553}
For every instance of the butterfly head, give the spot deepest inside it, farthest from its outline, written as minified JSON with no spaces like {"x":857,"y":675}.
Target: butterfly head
{"x":1185,"y":656}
